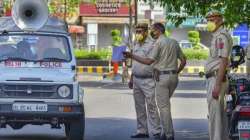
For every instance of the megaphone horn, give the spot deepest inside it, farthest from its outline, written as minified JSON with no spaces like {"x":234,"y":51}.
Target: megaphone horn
{"x":30,"y":15}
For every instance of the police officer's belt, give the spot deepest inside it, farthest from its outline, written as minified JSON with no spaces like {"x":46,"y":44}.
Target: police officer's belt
{"x":211,"y":74}
{"x":168,"y":72}
{"x":143,"y":76}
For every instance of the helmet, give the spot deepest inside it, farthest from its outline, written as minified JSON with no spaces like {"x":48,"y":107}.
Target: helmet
{"x":237,"y":56}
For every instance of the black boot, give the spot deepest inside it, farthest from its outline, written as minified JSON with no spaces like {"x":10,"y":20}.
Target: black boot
{"x":157,"y":136}
{"x":163,"y":137}
{"x":170,"y":138}
{"x":139,"y":135}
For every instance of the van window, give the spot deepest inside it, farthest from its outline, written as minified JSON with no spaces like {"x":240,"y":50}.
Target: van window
{"x":34,"y":48}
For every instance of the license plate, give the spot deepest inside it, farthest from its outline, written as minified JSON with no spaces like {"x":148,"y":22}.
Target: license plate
{"x":30,"y":107}
{"x":243,"y":125}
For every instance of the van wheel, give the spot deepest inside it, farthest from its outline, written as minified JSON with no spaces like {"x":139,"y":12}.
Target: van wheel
{"x":67,"y":127}
{"x":75,"y":130}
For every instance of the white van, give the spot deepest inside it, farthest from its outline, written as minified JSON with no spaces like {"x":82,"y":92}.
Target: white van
{"x":38,"y":78}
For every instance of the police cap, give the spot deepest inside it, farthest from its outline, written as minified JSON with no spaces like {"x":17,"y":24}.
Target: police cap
{"x":143,"y":26}
{"x":214,"y":13}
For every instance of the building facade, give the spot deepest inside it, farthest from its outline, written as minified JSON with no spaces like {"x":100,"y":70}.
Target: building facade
{"x":100,"y":17}
{"x":150,"y":12}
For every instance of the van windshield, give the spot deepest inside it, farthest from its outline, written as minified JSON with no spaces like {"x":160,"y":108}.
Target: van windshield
{"x":34,"y":48}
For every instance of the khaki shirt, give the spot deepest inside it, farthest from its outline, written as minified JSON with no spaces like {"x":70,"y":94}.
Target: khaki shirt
{"x":142,"y":50}
{"x":248,"y":52}
{"x":221,"y":46}
{"x":166,"y":54}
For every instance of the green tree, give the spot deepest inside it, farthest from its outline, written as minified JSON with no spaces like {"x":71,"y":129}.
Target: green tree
{"x":7,"y":4}
{"x":68,"y":7}
{"x":235,"y":11}
{"x":72,"y":5}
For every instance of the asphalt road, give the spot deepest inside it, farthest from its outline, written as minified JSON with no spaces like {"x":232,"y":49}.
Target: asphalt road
{"x":110,"y":114}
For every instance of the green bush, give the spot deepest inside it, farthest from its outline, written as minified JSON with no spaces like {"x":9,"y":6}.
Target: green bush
{"x":193,"y":34}
{"x":195,"y":54}
{"x":194,"y":38}
{"x":102,"y":54}
{"x":116,"y":37}
{"x":105,"y":54}
{"x":115,"y":32}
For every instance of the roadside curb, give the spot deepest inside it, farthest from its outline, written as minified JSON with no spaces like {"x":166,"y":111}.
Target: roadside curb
{"x":186,"y":70}
{"x":92,"y":69}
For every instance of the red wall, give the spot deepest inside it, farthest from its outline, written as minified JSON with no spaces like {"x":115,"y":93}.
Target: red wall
{"x":87,"y":9}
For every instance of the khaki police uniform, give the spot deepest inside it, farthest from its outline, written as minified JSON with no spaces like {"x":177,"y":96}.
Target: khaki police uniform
{"x":144,"y":91}
{"x":166,"y":53}
{"x":221,"y":46}
{"x":248,"y":59}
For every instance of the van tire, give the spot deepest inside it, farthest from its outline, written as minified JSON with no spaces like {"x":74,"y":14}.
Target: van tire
{"x":75,"y":130}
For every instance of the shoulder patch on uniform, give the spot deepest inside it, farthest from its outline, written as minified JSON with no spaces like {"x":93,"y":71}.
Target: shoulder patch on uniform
{"x":220,"y":44}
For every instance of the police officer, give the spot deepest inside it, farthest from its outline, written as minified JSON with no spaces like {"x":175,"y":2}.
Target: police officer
{"x":165,"y":56}
{"x":248,"y":59}
{"x":215,"y":69}
{"x":144,"y":86}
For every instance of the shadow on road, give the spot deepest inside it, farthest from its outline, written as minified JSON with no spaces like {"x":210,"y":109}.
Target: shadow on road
{"x":192,"y":85}
{"x":31,"y":137}
{"x":199,"y":85}
{"x":191,"y":129}
{"x":32,"y":132}
{"x":109,"y":129}
{"x":121,"y":129}
{"x":190,"y":95}
{"x":98,"y":84}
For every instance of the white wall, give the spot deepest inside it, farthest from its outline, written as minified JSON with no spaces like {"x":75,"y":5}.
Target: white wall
{"x":182,"y":34}
{"x":158,"y":11}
